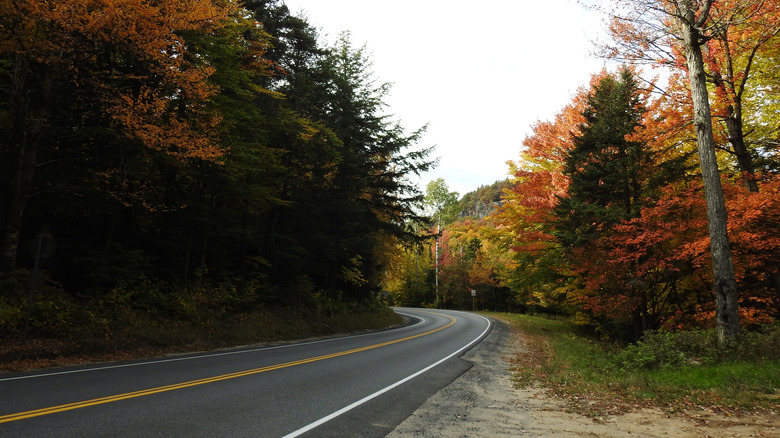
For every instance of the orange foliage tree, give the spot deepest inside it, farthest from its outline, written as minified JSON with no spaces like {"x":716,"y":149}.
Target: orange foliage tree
{"x":118,"y":67}
{"x":539,"y":277}
{"x":747,"y":31}
{"x":660,"y":258}
{"x":677,"y":30}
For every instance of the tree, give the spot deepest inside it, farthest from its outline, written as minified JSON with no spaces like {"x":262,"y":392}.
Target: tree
{"x":613,"y":173}
{"x":441,"y":205}
{"x":539,"y":273}
{"x":119,"y":69}
{"x":644,"y":26}
{"x":408,"y":276}
{"x":225,"y":203}
{"x":735,"y":50}
{"x":349,"y":175}
{"x":692,"y":18}
{"x":607,"y":169}
{"x":747,"y":30}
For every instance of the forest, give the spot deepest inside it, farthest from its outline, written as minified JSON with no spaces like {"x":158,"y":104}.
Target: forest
{"x":204,"y":166}
{"x":184,"y":165}
{"x":607,"y":218}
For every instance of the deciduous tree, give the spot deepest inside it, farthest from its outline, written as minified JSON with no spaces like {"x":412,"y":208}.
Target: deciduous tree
{"x":539,"y":273}
{"x":119,"y":65}
{"x":442,"y":206}
{"x":644,"y":26}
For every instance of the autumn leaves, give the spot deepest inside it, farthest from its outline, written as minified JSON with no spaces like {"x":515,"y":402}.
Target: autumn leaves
{"x":627,"y":213}
{"x":179,"y":139}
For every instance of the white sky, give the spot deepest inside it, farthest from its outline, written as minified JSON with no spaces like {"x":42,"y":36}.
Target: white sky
{"x":480,"y":73}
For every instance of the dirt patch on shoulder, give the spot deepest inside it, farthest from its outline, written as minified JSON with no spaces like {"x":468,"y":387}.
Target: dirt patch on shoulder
{"x":484,"y":403}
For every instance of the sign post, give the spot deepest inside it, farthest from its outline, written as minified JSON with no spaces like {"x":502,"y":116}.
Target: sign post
{"x":473,"y":297}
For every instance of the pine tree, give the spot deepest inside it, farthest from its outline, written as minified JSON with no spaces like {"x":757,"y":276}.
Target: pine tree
{"x":610,"y":173}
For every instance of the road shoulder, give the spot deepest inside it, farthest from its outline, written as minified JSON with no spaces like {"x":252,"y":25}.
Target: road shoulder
{"x":484,"y":403}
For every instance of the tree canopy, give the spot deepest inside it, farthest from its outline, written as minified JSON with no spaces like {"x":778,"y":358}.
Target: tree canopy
{"x":214,"y":157}
{"x":196,"y":143}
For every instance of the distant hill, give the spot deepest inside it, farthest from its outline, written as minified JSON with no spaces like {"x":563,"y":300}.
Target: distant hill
{"x":483,"y":201}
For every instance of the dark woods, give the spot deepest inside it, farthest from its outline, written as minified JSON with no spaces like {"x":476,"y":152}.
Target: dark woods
{"x":191,"y":160}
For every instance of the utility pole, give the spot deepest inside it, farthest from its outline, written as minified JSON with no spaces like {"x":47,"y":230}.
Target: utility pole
{"x":436,"y":262}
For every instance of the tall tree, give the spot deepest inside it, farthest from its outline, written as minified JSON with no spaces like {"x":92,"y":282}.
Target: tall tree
{"x":643,"y":26}
{"x":612,"y":175}
{"x":692,"y":19}
{"x":608,"y":170}
{"x":442,"y":206}
{"x":527,"y":211}
{"x":737,"y":38}
{"x":226,"y":203}
{"x":350,"y":172}
{"x":747,"y":31}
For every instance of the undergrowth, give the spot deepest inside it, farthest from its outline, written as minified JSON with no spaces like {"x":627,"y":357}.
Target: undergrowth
{"x":150,"y":319}
{"x":671,"y":370}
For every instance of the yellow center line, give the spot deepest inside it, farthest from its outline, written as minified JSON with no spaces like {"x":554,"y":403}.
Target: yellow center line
{"x":113,"y":398}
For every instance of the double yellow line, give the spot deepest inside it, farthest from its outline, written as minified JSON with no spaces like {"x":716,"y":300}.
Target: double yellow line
{"x":114,"y":398}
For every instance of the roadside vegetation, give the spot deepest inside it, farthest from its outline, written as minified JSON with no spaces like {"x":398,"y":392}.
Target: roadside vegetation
{"x":151,"y":319}
{"x":674,"y":371}
{"x":250,"y":186}
{"x":233,"y":178}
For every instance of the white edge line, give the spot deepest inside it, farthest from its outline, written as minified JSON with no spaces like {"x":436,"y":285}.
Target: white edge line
{"x":363,"y":400}
{"x":202,"y":356}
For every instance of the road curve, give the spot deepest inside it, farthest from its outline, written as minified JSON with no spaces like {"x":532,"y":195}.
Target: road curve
{"x":359,"y":385}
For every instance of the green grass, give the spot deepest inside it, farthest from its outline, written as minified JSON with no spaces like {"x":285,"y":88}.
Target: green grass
{"x":671,"y":371}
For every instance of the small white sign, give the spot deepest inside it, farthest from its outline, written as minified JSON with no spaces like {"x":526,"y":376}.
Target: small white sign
{"x":473,"y":293}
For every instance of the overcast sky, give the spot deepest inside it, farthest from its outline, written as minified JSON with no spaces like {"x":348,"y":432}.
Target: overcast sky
{"x":480,"y":73}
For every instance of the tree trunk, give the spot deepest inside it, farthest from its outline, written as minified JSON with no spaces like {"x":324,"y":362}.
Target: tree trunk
{"x":727,"y":318}
{"x":737,"y":138}
{"x":26,"y":132}
{"x":733,"y":116}
{"x":18,"y":189}
{"x":733,"y":121}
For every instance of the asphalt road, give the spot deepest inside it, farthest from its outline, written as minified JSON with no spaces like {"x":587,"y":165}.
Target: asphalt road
{"x":354,"y":386}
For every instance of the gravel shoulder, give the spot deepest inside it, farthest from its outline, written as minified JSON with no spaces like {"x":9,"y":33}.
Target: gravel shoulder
{"x":484,"y":403}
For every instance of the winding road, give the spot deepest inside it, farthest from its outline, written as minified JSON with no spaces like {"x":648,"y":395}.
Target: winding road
{"x":352,"y":386}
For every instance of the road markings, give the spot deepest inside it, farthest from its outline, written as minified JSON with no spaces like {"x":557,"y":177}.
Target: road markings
{"x":193,"y":357}
{"x":114,"y":398}
{"x":367,"y":398}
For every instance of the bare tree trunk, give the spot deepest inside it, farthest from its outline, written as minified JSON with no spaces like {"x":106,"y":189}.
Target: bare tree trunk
{"x":727,"y":317}
{"x":26,"y":134}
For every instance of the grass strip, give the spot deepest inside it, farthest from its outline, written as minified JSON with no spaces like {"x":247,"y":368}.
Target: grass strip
{"x":595,"y":377}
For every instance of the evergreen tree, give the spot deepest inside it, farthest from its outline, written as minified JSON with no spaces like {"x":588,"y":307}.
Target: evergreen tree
{"x":611,"y":175}
{"x":371,"y":192}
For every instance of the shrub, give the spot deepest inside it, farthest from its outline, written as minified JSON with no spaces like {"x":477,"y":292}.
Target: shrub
{"x":673,"y":349}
